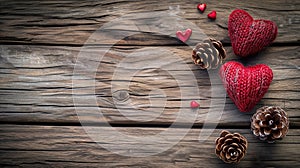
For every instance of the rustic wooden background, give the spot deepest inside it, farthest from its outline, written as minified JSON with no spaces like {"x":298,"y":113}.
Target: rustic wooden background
{"x":40,"y":42}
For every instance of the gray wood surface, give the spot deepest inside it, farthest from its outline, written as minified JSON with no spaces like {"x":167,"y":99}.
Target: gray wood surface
{"x":72,"y":22}
{"x":44,"y":77}
{"x":36,"y":85}
{"x":60,"y":146}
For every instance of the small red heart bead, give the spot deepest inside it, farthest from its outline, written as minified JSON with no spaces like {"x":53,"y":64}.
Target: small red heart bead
{"x":184,"y":36}
{"x":249,"y":36}
{"x":245,"y":85}
{"x":194,"y":104}
{"x":201,"y":7}
{"x":212,"y":15}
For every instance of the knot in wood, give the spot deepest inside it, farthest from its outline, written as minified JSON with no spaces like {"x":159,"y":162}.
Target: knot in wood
{"x":121,"y":95}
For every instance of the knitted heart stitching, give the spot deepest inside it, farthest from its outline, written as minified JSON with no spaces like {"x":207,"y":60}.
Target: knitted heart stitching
{"x":249,"y":36}
{"x":245,"y":85}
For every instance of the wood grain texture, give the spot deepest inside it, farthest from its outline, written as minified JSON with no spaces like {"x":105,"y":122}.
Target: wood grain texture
{"x":72,"y":22}
{"x":36,"y":84}
{"x":136,"y":83}
{"x":60,"y":146}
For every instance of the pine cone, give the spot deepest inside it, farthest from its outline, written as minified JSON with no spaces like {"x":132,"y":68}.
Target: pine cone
{"x":231,"y":148}
{"x":270,"y":123}
{"x":209,"y":54}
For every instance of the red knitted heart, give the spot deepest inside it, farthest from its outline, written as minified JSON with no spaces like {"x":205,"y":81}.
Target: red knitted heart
{"x":245,"y":85}
{"x":249,"y":36}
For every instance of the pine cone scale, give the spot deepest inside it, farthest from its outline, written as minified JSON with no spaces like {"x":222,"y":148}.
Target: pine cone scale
{"x":234,"y":145}
{"x":267,"y":131}
{"x":221,"y":50}
{"x":277,"y":134}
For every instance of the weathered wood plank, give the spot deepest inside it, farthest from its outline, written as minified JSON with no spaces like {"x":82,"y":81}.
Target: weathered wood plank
{"x":36,"y":85}
{"x":62,"y":146}
{"x":72,"y":22}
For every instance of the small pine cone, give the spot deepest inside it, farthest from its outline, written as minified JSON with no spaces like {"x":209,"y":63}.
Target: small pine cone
{"x":270,"y":123}
{"x":231,"y":148}
{"x":209,"y":54}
